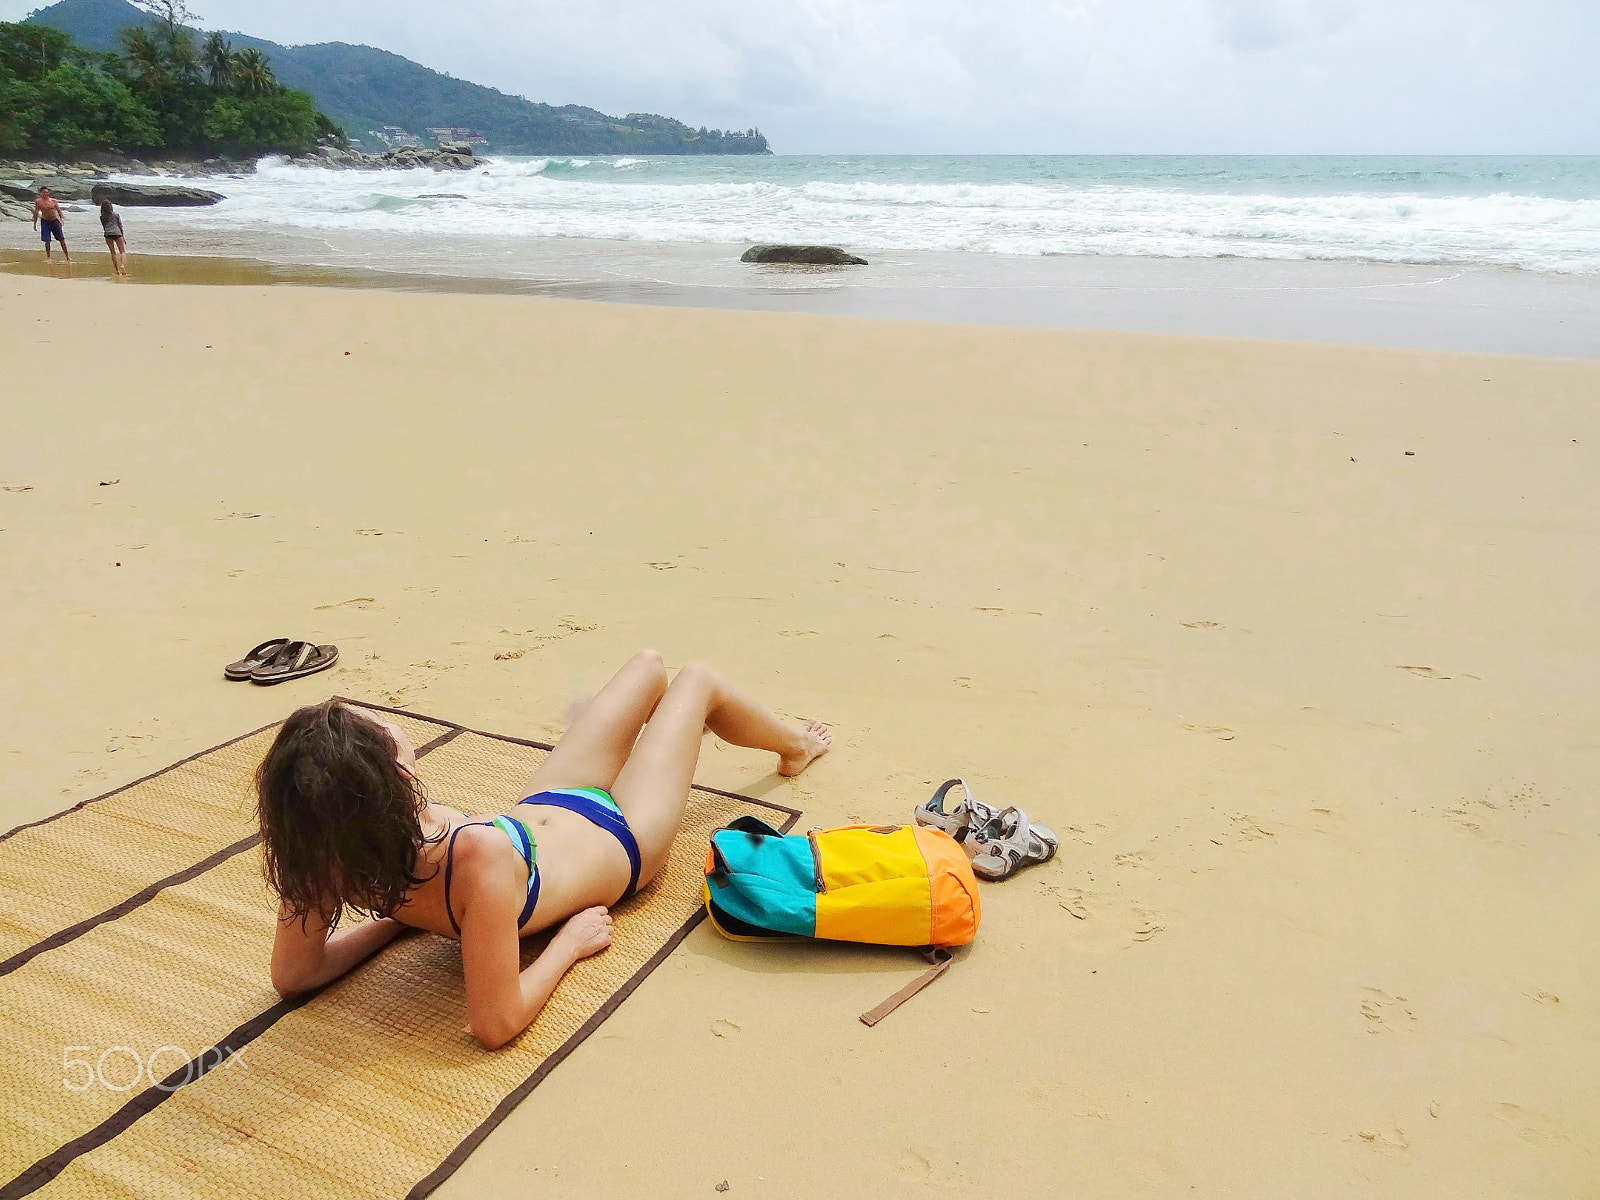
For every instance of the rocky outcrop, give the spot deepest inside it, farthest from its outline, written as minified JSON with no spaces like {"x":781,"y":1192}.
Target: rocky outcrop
{"x":824,"y":256}
{"x":15,"y":209}
{"x":451,"y":156}
{"x":111,"y":163}
{"x":153,"y":195}
{"x":61,"y":188}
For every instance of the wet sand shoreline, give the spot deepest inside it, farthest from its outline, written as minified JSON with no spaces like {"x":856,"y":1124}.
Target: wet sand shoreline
{"x":1443,"y":307}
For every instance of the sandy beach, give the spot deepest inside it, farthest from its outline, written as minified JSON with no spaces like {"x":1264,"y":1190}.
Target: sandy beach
{"x":1295,"y":644}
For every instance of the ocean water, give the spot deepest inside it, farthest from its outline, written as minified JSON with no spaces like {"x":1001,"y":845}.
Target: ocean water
{"x":1533,"y":214}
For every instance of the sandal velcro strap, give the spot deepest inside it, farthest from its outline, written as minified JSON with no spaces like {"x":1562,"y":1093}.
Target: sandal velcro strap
{"x":1009,"y":841}
{"x":959,"y":822}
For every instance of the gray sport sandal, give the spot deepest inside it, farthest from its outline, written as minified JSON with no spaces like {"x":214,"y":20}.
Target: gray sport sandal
{"x":968,"y":815}
{"x":1009,"y":841}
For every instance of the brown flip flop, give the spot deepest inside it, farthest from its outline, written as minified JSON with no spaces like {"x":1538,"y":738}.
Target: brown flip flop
{"x":259,"y":657}
{"x":295,"y":661}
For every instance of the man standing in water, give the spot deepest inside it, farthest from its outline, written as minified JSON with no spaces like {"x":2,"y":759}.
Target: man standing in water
{"x":47,"y":220}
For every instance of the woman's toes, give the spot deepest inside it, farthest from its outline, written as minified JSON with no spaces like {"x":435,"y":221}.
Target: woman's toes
{"x":815,"y":739}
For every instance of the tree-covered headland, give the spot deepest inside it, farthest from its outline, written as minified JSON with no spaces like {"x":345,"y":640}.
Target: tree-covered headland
{"x":162,"y":90}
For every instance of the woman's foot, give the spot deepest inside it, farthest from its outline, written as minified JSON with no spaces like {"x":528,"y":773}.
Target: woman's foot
{"x":815,"y":739}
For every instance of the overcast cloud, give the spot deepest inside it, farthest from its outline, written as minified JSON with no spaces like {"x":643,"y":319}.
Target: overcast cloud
{"x":1017,"y":76}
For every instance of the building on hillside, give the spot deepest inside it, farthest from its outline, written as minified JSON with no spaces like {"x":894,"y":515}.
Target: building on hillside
{"x":394,"y":136}
{"x":455,"y":133}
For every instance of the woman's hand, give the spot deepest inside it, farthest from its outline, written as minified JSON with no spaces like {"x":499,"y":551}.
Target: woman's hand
{"x":585,"y":933}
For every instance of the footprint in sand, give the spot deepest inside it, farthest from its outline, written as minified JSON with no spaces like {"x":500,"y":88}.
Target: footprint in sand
{"x":353,"y":602}
{"x":1425,"y":672}
{"x":797,"y":633}
{"x":1076,"y":902}
{"x":1108,"y":922}
{"x":1200,"y":624}
{"x":124,"y":741}
{"x":1387,"y":1014}
{"x":1536,"y":1128}
{"x":914,"y":1166}
{"x":381,"y":532}
{"x":1247,"y":829}
{"x":1133,"y":858}
{"x":508,"y":655}
{"x":1146,"y":924}
{"x":1326,"y":820}
{"x":1221,"y":732}
{"x":1391,"y":1141}
{"x":724,"y":1028}
{"x":1549,"y":998}
{"x":1077,"y":833}
{"x":662,"y":566}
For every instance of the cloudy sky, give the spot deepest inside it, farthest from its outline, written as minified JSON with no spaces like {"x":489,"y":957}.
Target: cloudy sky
{"x":1016,"y":76}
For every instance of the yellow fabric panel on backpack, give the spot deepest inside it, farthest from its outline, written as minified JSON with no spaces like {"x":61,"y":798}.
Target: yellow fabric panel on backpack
{"x":863,"y":854}
{"x":891,"y":912}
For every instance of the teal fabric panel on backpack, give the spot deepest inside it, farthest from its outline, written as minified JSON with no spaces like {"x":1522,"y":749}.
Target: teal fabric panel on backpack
{"x":758,"y":904}
{"x":765,"y":879}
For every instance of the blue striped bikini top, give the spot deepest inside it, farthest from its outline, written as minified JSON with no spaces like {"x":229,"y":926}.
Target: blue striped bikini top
{"x":522,"y":839}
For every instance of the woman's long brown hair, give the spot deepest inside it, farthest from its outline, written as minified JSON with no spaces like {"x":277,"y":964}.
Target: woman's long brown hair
{"x":340,"y":819}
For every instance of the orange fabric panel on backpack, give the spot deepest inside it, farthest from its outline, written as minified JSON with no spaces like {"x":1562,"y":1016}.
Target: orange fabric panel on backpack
{"x":956,"y":909}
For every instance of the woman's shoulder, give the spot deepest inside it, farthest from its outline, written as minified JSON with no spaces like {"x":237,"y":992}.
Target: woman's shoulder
{"x":477,"y":852}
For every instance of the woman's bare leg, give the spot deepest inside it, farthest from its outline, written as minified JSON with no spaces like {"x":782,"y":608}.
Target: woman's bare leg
{"x":594,"y":748}
{"x":653,"y":787}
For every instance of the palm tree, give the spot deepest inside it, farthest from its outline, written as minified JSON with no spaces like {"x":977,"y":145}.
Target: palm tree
{"x":218,"y":58}
{"x":252,"y":73}
{"x":182,"y":60}
{"x":146,"y":56}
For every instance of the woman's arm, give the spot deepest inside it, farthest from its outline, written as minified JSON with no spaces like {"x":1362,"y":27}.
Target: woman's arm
{"x":306,"y":956}
{"x":502,"y":999}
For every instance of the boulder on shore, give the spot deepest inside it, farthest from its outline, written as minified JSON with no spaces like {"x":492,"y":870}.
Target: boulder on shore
{"x":824,"y":256}
{"x":153,"y":195}
{"x":61,"y":188}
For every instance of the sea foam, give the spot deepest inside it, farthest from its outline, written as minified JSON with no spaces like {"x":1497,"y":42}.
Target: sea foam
{"x":1534,"y":214}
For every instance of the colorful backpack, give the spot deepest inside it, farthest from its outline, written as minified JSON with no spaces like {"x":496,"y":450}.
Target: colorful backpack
{"x":893,"y":885}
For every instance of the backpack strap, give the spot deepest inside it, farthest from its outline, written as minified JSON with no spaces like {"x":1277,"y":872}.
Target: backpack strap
{"x":940,"y":958}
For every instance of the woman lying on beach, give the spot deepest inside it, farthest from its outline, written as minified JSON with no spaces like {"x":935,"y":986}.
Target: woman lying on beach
{"x":345,"y":826}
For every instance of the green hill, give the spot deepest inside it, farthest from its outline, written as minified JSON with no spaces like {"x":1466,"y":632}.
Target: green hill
{"x":364,"y":89}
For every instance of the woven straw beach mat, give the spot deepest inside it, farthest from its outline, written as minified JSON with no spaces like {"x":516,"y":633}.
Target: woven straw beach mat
{"x":143,"y":1052}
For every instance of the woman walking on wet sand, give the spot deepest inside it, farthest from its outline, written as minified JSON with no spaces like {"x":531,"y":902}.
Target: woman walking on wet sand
{"x":346,"y":826}
{"x":111,"y":224}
